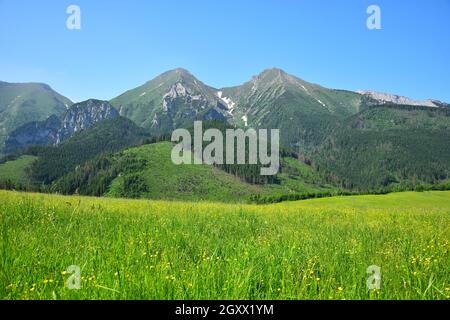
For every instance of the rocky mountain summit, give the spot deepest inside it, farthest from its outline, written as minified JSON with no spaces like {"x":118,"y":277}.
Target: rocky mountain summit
{"x":81,"y":116}
{"x":383,"y":98}
{"x":172,"y":100}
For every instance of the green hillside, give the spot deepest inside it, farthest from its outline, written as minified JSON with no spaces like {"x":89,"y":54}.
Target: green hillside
{"x":16,"y":171}
{"x":96,"y":162}
{"x":165,"y":180}
{"x":108,"y":136}
{"x":388,"y":146}
{"x":148,"y":172}
{"x":298,"y":177}
{"x":21,"y":103}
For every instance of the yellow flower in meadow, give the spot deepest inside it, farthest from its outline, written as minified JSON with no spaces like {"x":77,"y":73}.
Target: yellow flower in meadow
{"x":340,"y":289}
{"x":45,"y":281}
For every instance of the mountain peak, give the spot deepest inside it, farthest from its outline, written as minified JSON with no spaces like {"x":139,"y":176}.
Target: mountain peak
{"x":273,"y":70}
{"x":178,"y":71}
{"x":84,"y":115}
{"x":181,"y":71}
{"x":176,"y":75}
{"x":273,"y":73}
{"x":276,"y":76}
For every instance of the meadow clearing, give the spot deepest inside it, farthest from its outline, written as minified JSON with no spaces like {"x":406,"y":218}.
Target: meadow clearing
{"x":140,"y":249}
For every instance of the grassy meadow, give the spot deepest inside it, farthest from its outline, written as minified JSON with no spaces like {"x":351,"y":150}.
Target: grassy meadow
{"x":139,"y":249}
{"x":16,"y":170}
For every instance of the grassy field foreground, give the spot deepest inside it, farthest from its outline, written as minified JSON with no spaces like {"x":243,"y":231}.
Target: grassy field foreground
{"x":136,"y":249}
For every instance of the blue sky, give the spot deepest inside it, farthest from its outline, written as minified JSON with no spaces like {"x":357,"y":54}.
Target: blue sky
{"x":123,"y":44}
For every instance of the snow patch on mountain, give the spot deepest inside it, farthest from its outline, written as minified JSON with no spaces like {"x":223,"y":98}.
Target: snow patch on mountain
{"x":155,"y":121}
{"x":228,"y":102}
{"x":323,"y":104}
{"x":304,"y":88}
{"x":245,"y":119}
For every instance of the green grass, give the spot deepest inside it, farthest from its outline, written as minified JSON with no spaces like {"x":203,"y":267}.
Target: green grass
{"x":411,"y":200}
{"x":138,"y":249}
{"x":15,"y":171}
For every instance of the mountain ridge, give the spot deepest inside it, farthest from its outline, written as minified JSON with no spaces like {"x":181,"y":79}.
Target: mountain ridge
{"x":22,"y":103}
{"x":271,"y":99}
{"x":52,"y":131}
{"x":383,"y":98}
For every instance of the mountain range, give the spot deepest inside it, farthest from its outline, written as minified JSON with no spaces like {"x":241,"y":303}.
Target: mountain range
{"x":351,"y":140}
{"x":174,"y":99}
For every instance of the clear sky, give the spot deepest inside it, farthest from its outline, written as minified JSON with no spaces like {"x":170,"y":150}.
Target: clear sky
{"x":123,"y":44}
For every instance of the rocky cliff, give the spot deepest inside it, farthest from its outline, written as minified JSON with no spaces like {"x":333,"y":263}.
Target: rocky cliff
{"x":82,"y":116}
{"x":79,"y":117}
